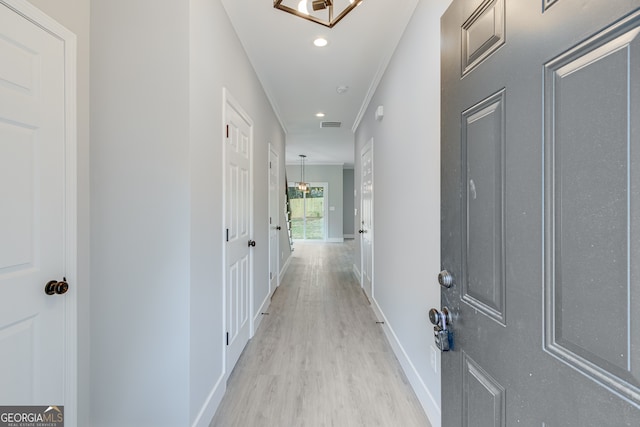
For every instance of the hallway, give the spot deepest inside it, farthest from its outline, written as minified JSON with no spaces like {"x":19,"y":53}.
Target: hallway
{"x":319,"y":358}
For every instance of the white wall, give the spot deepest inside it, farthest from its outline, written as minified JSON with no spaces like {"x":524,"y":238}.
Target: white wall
{"x":74,"y":14}
{"x":157,"y":346}
{"x":140,"y":213}
{"x":332,"y":175}
{"x":407,"y":218}
{"x":212,"y":38}
{"x":348,"y":221}
{"x":155,"y":328}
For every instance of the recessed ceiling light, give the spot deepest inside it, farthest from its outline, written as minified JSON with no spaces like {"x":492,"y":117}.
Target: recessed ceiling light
{"x":320,"y":115}
{"x":320,"y":42}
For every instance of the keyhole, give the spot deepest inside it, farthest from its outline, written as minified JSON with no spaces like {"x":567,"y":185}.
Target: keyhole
{"x":472,"y":189}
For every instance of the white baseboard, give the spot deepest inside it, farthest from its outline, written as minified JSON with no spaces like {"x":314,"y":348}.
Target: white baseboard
{"x":257,"y":319}
{"x":335,"y":240}
{"x":356,"y":273}
{"x":211,"y":404}
{"x":284,"y":268}
{"x":430,"y":406}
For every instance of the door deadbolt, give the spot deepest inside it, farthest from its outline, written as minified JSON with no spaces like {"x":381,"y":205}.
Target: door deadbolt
{"x":445,"y":279}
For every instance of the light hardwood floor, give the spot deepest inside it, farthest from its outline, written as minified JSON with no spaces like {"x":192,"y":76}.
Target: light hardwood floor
{"x":319,"y":358}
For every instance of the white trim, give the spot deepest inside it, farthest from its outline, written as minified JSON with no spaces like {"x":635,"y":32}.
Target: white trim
{"x":428,"y":402}
{"x":208,"y":410}
{"x":69,"y":40}
{"x":285,"y":267}
{"x":264,"y":307}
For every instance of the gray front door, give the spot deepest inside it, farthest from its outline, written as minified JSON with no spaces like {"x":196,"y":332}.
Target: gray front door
{"x":541,"y":212}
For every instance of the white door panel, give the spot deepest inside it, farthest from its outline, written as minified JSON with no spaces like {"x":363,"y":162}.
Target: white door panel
{"x":366,"y":226}
{"x":274,"y":220}
{"x":238,"y":234}
{"x":33,"y":239}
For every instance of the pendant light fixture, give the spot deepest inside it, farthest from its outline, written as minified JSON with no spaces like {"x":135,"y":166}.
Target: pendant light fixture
{"x":302,"y":185}
{"x":323,"y":12}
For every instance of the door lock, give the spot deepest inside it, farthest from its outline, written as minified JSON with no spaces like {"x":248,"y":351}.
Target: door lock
{"x":445,"y":279}
{"x":442,"y":335}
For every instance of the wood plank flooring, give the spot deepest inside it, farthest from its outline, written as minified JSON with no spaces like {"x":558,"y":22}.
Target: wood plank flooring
{"x":318,"y":357}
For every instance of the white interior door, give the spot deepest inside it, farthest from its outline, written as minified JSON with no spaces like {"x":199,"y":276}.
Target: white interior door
{"x":274,"y":220}
{"x":366,"y":215}
{"x":238,"y":220}
{"x":37,"y":217}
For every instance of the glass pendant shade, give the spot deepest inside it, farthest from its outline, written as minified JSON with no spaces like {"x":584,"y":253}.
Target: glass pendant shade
{"x":302,"y":185}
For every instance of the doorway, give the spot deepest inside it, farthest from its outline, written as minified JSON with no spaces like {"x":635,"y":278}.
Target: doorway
{"x":274,"y":219}
{"x":38,"y":224}
{"x":309,"y":211}
{"x":238,"y":223}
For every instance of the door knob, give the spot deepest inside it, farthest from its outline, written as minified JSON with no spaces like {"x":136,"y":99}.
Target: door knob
{"x":438,"y":318}
{"x":54,"y":287}
{"x":362,"y":231}
{"x":252,"y":243}
{"x":445,"y":279}
{"x":278,"y":227}
{"x":442,"y":335}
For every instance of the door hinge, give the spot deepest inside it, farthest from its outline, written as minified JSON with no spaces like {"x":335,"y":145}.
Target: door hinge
{"x":227,"y":338}
{"x":270,"y":276}
{"x":269,"y":220}
{"x":227,"y":234}
{"x":227,"y":131}
{"x":269,"y":165}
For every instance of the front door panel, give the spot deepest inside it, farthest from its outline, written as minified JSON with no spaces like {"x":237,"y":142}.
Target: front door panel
{"x":540,"y":212}
{"x":593,"y":237}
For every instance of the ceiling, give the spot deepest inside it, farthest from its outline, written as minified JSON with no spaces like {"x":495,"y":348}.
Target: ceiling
{"x":302,"y":80}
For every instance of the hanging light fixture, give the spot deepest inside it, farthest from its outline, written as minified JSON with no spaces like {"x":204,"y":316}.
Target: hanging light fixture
{"x":302,"y":185}
{"x":323,"y":12}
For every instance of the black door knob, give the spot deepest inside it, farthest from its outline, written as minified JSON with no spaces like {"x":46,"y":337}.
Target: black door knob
{"x":278,"y":227}
{"x":62,"y":288}
{"x":360,"y":231}
{"x":54,"y":287}
{"x":252,"y":243}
